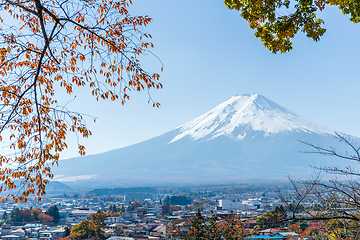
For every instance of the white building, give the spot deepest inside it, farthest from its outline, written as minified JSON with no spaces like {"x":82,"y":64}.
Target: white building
{"x":226,"y":204}
{"x":251,"y":203}
{"x":155,"y":209}
{"x":77,"y":216}
{"x":112,"y":220}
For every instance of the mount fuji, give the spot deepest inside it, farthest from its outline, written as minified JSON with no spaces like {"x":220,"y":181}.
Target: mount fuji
{"x":248,"y":137}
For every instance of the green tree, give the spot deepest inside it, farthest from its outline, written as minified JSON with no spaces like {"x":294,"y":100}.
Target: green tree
{"x":66,"y":232}
{"x":280,"y":213}
{"x":134,"y":206}
{"x":53,"y":212}
{"x":113,"y":208}
{"x":180,"y":200}
{"x":4,"y":216}
{"x":278,"y":21}
{"x":87,"y":229}
{"x":275,"y":218}
{"x":212,"y":228}
{"x":99,"y":219}
{"x":15,"y":217}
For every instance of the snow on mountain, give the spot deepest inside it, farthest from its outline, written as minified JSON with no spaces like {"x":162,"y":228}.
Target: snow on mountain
{"x":254,"y":111}
{"x":246,"y":137}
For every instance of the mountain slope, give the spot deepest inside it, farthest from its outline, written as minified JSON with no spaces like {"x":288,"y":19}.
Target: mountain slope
{"x":246,"y":137}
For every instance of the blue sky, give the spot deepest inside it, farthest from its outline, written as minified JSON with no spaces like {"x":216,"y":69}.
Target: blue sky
{"x":210,"y":54}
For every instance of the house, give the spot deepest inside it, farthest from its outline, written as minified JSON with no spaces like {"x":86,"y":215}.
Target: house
{"x":49,"y":235}
{"x":34,"y":225}
{"x":45,"y":235}
{"x":265,"y":237}
{"x":141,"y":237}
{"x":111,"y":220}
{"x":115,"y":226}
{"x":270,"y":231}
{"x":288,"y":235}
{"x":120,"y":238}
{"x":10,"y":237}
{"x":58,"y":233}
{"x":129,"y":227}
{"x":5,"y":229}
{"x":160,"y":229}
{"x":140,"y":229}
{"x":35,"y":234}
{"x":19,"y":232}
{"x":129,"y":216}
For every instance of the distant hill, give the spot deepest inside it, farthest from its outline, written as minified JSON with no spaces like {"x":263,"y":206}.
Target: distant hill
{"x":53,"y":187}
{"x":56,"y":186}
{"x":121,"y":191}
{"x":247,"y":137}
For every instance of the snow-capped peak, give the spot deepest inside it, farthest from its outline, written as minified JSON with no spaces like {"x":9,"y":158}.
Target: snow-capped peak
{"x":240,"y":114}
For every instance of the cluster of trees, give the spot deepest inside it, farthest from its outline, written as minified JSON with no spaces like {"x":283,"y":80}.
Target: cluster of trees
{"x":333,"y":229}
{"x":177,"y":200}
{"x":53,"y":211}
{"x":274,"y":219}
{"x":180,"y":200}
{"x":133,"y":206}
{"x":201,"y":194}
{"x":33,"y":215}
{"x":88,"y":229}
{"x":113,"y":211}
{"x":211,"y":228}
{"x":325,"y":230}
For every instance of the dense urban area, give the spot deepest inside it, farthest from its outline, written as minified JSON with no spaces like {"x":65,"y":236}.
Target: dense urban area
{"x":247,"y":211}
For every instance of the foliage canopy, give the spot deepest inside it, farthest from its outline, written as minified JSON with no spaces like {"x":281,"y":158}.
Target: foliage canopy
{"x":53,"y":212}
{"x":46,"y":46}
{"x":202,"y":227}
{"x":278,"y":21}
